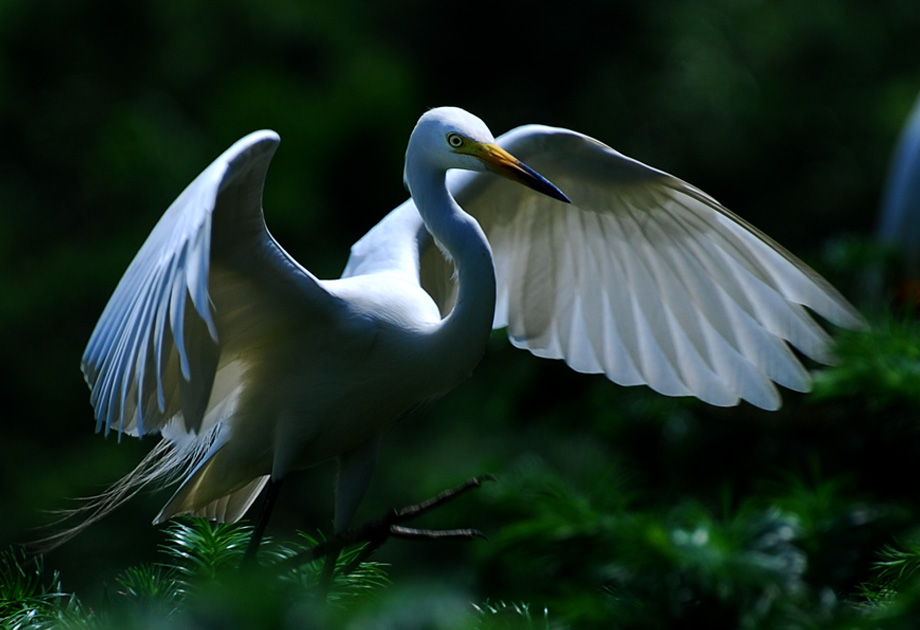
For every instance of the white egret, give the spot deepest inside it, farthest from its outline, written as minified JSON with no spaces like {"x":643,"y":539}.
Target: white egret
{"x":899,"y":221}
{"x":250,"y":367}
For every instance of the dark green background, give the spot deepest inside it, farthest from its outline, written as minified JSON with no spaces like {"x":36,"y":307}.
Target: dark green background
{"x":786,"y":111}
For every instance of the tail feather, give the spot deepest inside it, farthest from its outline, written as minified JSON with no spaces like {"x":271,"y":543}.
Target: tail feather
{"x":232,"y":507}
{"x":168,"y":461}
{"x":209,"y":491}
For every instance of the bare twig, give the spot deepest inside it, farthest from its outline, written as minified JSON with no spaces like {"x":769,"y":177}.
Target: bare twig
{"x":377,"y":531}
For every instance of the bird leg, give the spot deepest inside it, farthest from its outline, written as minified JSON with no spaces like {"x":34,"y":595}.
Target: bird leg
{"x":271,"y":495}
{"x":377,"y":531}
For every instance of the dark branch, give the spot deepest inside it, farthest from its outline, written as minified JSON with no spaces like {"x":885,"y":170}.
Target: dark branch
{"x":377,"y":531}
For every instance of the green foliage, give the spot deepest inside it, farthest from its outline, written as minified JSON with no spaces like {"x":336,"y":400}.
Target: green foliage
{"x":510,"y":616}
{"x":595,"y":565}
{"x":363,"y":579}
{"x":151,"y":585}
{"x":200,"y":584}
{"x":891,"y":598}
{"x":879,"y":366}
{"x":28,"y":597}
{"x":198,"y":581}
{"x":202,"y":551}
{"x":896,"y":566}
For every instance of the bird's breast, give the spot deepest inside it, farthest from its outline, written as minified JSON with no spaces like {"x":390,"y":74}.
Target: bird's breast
{"x":313,"y":394}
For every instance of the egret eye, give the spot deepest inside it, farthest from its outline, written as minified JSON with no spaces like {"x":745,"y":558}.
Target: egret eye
{"x":454,"y":140}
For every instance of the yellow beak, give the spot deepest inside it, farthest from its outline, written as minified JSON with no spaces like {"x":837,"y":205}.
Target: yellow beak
{"x":503,"y":163}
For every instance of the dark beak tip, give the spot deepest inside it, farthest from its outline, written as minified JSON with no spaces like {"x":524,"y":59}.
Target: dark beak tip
{"x":561,"y":196}
{"x":551,"y":190}
{"x":546,"y":187}
{"x":532,"y":179}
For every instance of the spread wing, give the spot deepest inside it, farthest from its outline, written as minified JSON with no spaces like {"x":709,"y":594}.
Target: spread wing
{"x":644,"y":277}
{"x":156,"y":349}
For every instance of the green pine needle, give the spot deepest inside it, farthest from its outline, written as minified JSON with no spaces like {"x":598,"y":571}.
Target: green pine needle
{"x":28,"y":597}
{"x":509,"y":616}
{"x":898,"y":565}
{"x":204,"y":550}
{"x":880,"y":365}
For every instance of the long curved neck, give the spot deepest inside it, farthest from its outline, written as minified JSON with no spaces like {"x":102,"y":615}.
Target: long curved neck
{"x":464,"y":332}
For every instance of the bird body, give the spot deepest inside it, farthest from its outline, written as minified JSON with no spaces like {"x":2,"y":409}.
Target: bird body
{"x":321,"y":377}
{"x":250,"y":367}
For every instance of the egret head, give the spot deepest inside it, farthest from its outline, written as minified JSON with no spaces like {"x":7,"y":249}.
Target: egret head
{"x":449,"y":137}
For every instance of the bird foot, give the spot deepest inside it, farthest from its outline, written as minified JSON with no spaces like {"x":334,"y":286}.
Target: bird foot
{"x":377,"y":531}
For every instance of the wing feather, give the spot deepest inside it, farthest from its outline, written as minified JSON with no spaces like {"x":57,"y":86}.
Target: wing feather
{"x":736,"y":345}
{"x":621,"y":358}
{"x":720,"y":368}
{"x":644,"y":277}
{"x":156,"y":349}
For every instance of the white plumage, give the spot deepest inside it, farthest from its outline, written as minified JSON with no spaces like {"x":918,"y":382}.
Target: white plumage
{"x":250,"y":367}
